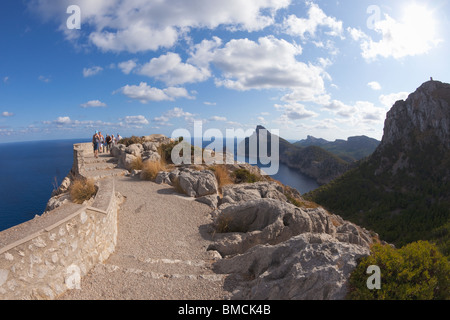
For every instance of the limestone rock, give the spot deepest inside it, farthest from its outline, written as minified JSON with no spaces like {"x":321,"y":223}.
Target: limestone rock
{"x":125,"y":160}
{"x":163,"y":177}
{"x":265,"y":221}
{"x":252,"y":191}
{"x":197,"y":183}
{"x":211,"y":200}
{"x":135,"y":150}
{"x":309,"y":266}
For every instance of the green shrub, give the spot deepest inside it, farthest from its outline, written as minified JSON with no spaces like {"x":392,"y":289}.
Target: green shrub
{"x":244,"y":176}
{"x":417,"y":271}
{"x":132,"y":140}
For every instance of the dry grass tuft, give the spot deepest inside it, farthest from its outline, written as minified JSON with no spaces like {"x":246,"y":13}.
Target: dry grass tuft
{"x":222,"y":175}
{"x":137,"y":164}
{"x":82,"y":190}
{"x":150,"y":170}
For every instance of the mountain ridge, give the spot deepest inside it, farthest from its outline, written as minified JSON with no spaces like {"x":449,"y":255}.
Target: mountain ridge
{"x":402,"y":190}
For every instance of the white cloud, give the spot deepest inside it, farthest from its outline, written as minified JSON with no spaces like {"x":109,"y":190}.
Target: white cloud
{"x":217,"y":118}
{"x":296,"y":26}
{"x":295,"y":111}
{"x":374,"y":85}
{"x":145,"y":93}
{"x":171,"y":70}
{"x":269,"y":63}
{"x":94,"y":104}
{"x":411,"y":36}
{"x":388,"y":100}
{"x":89,"y":72}
{"x":61,"y":121}
{"x":127,"y":66}
{"x":210,"y":103}
{"x":138,"y":25}
{"x":7,"y":114}
{"x":135,"y":120}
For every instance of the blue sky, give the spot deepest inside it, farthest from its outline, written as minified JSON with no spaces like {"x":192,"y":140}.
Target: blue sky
{"x":331,"y":69}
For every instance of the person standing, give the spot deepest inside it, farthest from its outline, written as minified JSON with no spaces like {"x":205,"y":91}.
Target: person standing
{"x":102,"y":142}
{"x":96,"y":143}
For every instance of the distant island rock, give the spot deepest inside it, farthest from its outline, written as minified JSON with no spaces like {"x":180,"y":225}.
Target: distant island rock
{"x":313,"y":161}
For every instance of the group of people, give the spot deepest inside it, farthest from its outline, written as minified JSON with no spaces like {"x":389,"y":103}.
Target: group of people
{"x":102,"y":144}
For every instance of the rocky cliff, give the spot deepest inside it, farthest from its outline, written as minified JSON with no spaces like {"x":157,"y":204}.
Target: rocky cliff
{"x":403,"y":190}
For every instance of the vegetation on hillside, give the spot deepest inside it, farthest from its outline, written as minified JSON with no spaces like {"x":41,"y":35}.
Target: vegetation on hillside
{"x":418,"y":271}
{"x":402,"y":205}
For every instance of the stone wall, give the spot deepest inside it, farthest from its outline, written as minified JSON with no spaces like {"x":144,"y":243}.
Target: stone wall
{"x":44,"y":257}
{"x":80,"y":150}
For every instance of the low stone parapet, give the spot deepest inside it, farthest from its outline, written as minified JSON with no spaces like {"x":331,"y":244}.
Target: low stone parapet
{"x":44,"y":257}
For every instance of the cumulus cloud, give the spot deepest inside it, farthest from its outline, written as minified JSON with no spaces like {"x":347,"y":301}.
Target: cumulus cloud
{"x":171,"y":70}
{"x":302,"y":27}
{"x":94,"y":104}
{"x":127,"y":66}
{"x":145,"y":93}
{"x":136,"y":26}
{"x":268,"y":63}
{"x":413,"y":35}
{"x":295,"y":111}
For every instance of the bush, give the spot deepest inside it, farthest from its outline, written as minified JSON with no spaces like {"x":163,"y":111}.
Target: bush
{"x":244,"y":176}
{"x":82,"y":190}
{"x":150,"y":170}
{"x":417,"y":271}
{"x":132,"y":140}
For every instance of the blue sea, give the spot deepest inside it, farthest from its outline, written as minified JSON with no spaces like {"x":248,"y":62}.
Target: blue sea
{"x":30,"y":171}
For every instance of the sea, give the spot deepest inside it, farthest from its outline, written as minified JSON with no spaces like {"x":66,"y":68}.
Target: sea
{"x":30,"y":171}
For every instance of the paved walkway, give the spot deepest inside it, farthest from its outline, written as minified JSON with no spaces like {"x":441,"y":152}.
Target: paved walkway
{"x":161,"y":251}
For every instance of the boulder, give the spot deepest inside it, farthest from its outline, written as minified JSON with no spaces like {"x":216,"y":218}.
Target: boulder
{"x":117,"y":150}
{"x":252,"y":191}
{"x":211,"y":200}
{"x":163,"y":177}
{"x":126,"y":160}
{"x":310,"y":266}
{"x":135,"y":150}
{"x":150,"y":146}
{"x":197,"y":183}
{"x":244,"y":225}
{"x":151,"y":156}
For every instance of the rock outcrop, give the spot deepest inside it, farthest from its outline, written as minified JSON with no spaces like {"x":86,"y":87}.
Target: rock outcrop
{"x":275,"y":250}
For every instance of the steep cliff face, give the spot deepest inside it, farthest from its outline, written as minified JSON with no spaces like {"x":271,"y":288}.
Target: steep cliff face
{"x":425,"y":114}
{"x":417,"y":134}
{"x":402,"y":191}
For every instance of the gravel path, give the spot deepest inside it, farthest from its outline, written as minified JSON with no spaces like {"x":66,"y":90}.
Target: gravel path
{"x":161,"y":251}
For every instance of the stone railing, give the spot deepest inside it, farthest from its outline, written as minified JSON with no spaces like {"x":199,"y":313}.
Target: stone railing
{"x":44,"y":257}
{"x":80,"y":151}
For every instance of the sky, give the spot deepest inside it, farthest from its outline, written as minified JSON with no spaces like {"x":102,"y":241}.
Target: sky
{"x":330,"y":69}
